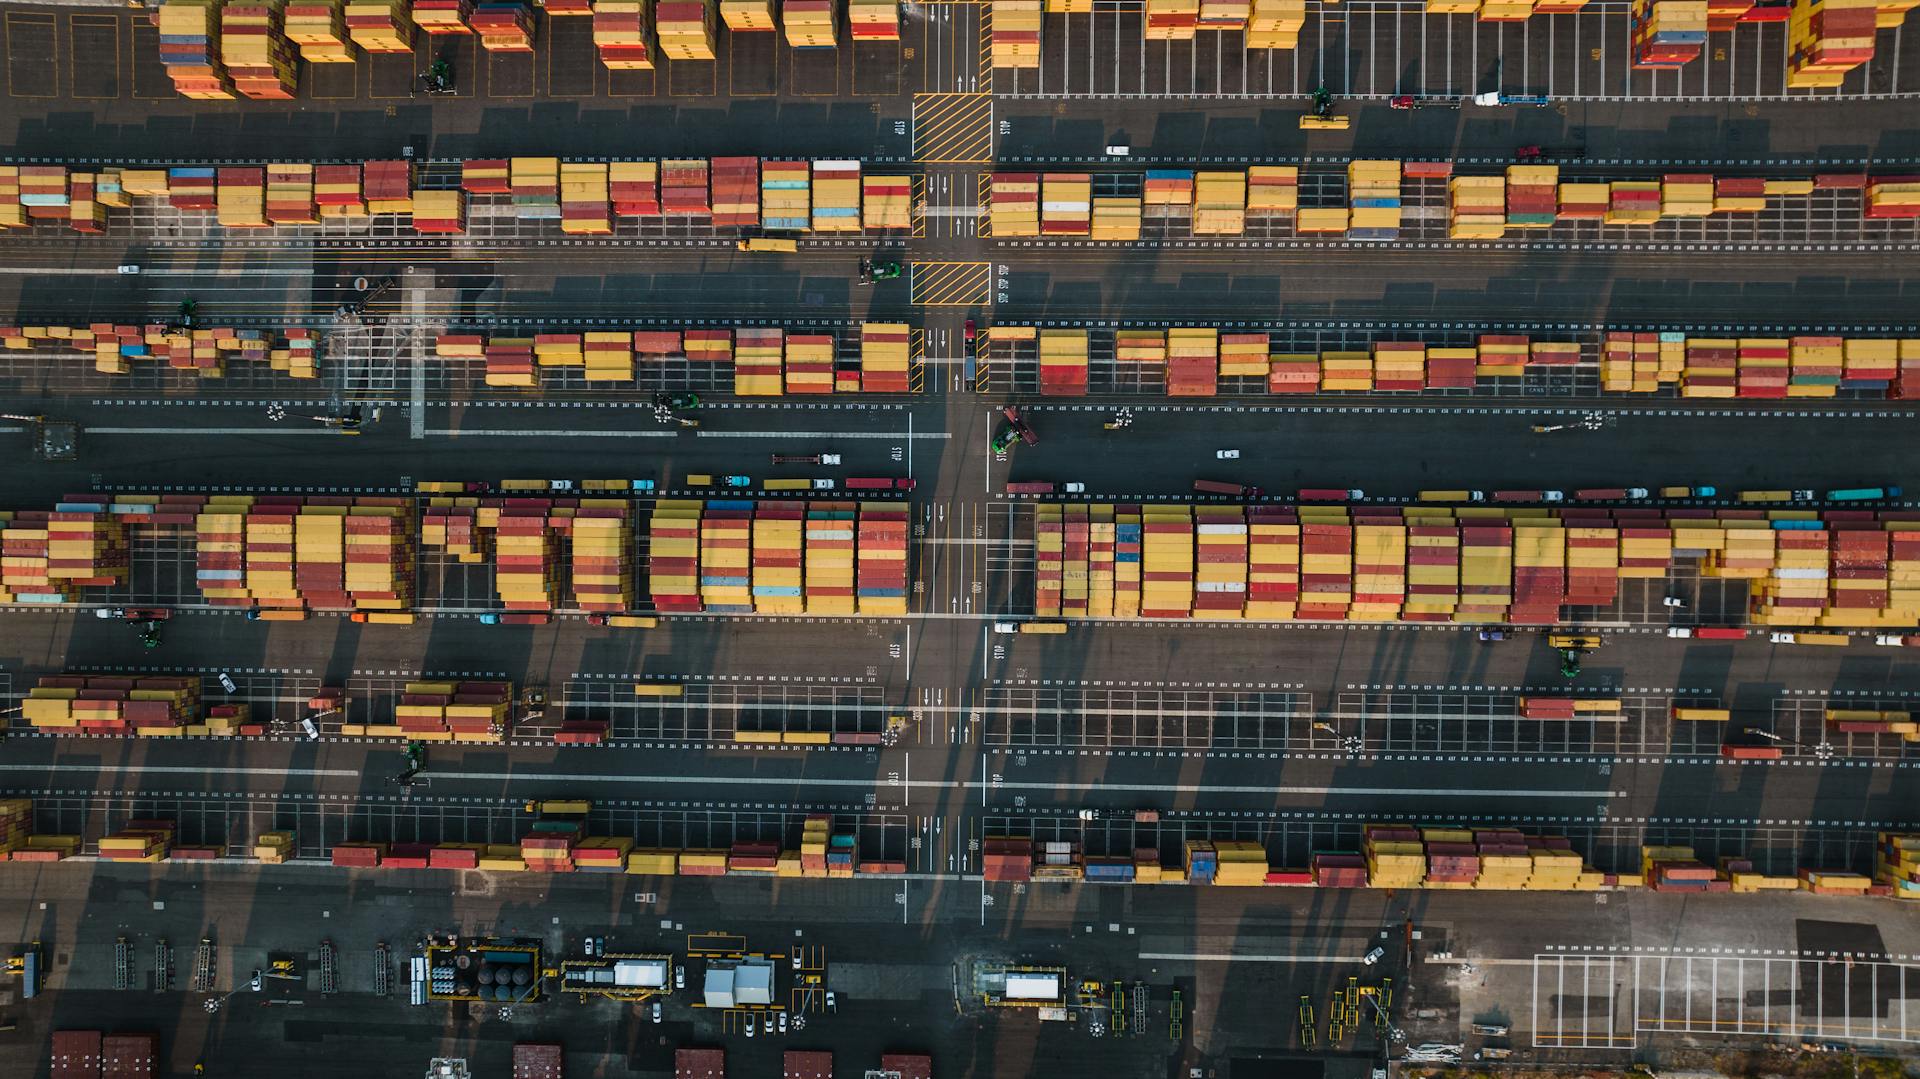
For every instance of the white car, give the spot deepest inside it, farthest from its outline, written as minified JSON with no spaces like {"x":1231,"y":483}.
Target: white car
{"x":830,"y":1000}
{"x":783,"y":1022}
{"x":679,"y":977}
{"x":313,"y":729}
{"x":656,"y":1011}
{"x":1553,"y":496}
{"x":1636,"y":492}
{"x":1373,"y":956}
{"x":829,"y":458}
{"x":1681,"y":632}
{"x":559,"y":485}
{"x":1892,"y":640}
{"x":129,"y":268}
{"x":769,"y":1024}
{"x":1782,"y":638}
{"x":823,"y":485}
{"x":1117,"y":150}
{"x":226,"y":683}
{"x":1074,"y":488}
{"x":1227,"y":455}
{"x":1006,"y":627}
{"x":750,"y":1025}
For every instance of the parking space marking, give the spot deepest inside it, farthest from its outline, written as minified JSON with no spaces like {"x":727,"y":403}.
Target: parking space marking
{"x":32,"y":70}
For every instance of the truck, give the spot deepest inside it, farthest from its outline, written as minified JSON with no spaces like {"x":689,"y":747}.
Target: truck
{"x":806,"y":458}
{"x":1608,"y":494}
{"x":1529,"y":496}
{"x":1689,"y":492}
{"x":1032,"y":487}
{"x":1331,"y":494}
{"x":1453,"y":496}
{"x":868,"y":483}
{"x":1232,"y":490}
{"x":1863,"y":494}
{"x":768,"y":245}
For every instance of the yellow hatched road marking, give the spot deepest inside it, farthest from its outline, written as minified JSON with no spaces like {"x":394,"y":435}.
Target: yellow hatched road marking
{"x":950,"y":284}
{"x":953,"y":129}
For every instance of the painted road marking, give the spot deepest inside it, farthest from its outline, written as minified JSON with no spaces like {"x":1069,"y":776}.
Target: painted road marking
{"x":950,"y":284}
{"x":1231,"y":957}
{"x":953,"y":128}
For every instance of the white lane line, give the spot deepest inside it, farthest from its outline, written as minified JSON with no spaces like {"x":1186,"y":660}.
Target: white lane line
{"x":889,"y":435}
{"x":163,"y":769}
{"x":282,"y":432}
{"x":1232,"y":957}
{"x":519,"y":432}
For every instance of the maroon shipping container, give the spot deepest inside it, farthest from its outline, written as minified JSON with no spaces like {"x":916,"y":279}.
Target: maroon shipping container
{"x":75,"y":1054}
{"x":699,"y":1064}
{"x":808,"y":1065}
{"x":908,"y":1065}
{"x":538,"y":1060}
{"x":127,"y":1056}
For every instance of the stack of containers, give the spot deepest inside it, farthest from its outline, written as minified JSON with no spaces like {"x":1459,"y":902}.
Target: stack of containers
{"x":705,"y":346}
{"x":685,"y":29}
{"x":1322,"y":219}
{"x":241,"y":201}
{"x":12,"y":213}
{"x":442,"y":16}
{"x":1073,"y":560}
{"x":836,"y":196}
{"x":1891,"y":197}
{"x":1593,"y":565}
{"x":1293,"y":372}
{"x":1193,"y":362}
{"x":726,"y":540}
{"x":503,"y":27}
{"x":85,"y":213}
{"x":884,"y":358}
{"x":1200,"y":861}
{"x":634,"y":187}
{"x":1063,"y":363}
{"x":43,"y":191}
{"x":882,"y":550}
{"x":1633,"y":202}
{"x":1476,"y":207}
{"x":809,"y":363}
{"x":886,"y":201}
{"x":1239,"y":863}
{"x":1220,"y":564}
{"x":585,"y":208}
{"x":289,"y":195}
{"x":1828,"y":38}
{"x":1532,"y":196}
{"x":1066,"y":207}
{"x":785,"y":195}
{"x":388,"y":186}
{"x":815,"y":832}
{"x":1172,"y":20}
{"x":1712,"y":368}
{"x":683,"y":187}
{"x":829,"y":558}
{"x":1373,"y":190}
{"x":1273,"y":563}
{"x":548,"y":848}
{"x":1168,"y":193}
{"x":1243,"y":355}
{"x":190,"y":48}
{"x":1765,"y":367}
{"x":874,"y":20}
{"x":139,"y":841}
{"x":736,"y":191}
{"x":1273,"y":190}
{"x":1339,"y":871}
{"x":1219,"y":203}
{"x":1016,"y":33}
{"x":777,"y":554}
{"x":1222,"y":15}
{"x":510,"y":362}
{"x":526,"y":553}
{"x":1139,"y":347}
{"x":1724,"y":15}
{"x":1399,"y":365}
{"x":1379,"y":570}
{"x":1505,"y":10}
{"x":1539,"y":571}
{"x":1100,"y":533}
{"x":622,"y":36}
{"x":336,"y":189}
{"x":1275,"y":24}
{"x":1585,"y":201}
{"x":747,"y":16}
{"x":1740,"y":195}
{"x":1453,"y":860}
{"x":1126,"y":562}
{"x":1116,"y":217}
{"x":1896,"y":863}
{"x":487,"y":176}
{"x":380,"y":25}
{"x":258,"y":57}
{"x":1669,"y":33}
{"x":1859,"y":581}
{"x":1326,"y":565}
{"x":535,"y":186}
{"x":1486,"y":573}
{"x":1014,"y":208}
{"x":1502,"y":355}
{"x":188,"y":188}
{"x":319,"y":27}
{"x":809,"y":24}
{"x":1166,"y":561}
{"x":1688,"y":194}
{"x":1871,"y":363}
{"x":1006,"y":858}
{"x":1343,"y":371}
{"x":757,"y":362}
{"x":1395,"y":856}
{"x":440,"y":212}
{"x":673,"y":562}
{"x":1433,"y":569}
{"x":1505,"y":862}
{"x":608,"y":356}
{"x":1645,"y":552}
{"x":1452,"y":367}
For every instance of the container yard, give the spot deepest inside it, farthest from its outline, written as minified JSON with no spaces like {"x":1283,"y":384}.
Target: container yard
{"x":1209,"y":538}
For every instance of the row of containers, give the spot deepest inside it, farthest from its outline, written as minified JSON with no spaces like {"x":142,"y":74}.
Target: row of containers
{"x":1391,"y":855}
{"x":282,"y":556}
{"x":1840,"y":568}
{"x":1226,"y":202}
{"x":94,"y":1054}
{"x":828,"y":197}
{"x":583,"y":198}
{"x":1193,"y":361}
{"x":1403,"y":856}
{"x":222,"y":49}
{"x":762,"y":361}
{"x":1207,"y":361}
{"x":1826,"y":39}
